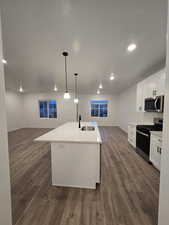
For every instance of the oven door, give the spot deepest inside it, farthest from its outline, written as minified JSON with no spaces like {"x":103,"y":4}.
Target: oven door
{"x":143,"y":144}
{"x":149,"y":105}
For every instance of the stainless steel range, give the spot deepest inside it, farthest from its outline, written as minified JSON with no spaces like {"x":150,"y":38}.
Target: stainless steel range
{"x":143,"y":137}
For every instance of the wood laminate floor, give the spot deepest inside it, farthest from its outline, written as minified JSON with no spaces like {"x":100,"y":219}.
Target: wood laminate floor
{"x":128,"y":194}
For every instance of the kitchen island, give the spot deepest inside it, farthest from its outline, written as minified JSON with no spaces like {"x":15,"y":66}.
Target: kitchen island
{"x":75,"y":154}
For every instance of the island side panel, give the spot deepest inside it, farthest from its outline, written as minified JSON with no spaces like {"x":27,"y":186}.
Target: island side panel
{"x":98,"y":160}
{"x":75,"y":164}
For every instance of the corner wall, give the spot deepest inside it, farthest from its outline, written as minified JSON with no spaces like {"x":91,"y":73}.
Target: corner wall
{"x":5,"y":192}
{"x":14,"y":108}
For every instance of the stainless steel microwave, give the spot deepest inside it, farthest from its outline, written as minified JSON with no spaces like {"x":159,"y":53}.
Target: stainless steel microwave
{"x":154,"y":104}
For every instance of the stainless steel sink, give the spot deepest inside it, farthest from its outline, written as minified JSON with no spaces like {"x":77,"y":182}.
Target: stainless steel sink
{"x":88,"y":128}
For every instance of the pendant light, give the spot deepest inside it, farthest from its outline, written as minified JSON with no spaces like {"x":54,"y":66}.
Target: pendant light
{"x":20,"y":89}
{"x":55,"y":88}
{"x":66,"y":94}
{"x":100,"y":86}
{"x":76,"y":100}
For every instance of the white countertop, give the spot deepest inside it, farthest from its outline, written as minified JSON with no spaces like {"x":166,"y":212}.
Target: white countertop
{"x":139,"y":123}
{"x":157,"y":133}
{"x":70,"y":132}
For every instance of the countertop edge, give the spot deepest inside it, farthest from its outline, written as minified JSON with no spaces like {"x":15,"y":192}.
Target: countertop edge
{"x":68,"y":141}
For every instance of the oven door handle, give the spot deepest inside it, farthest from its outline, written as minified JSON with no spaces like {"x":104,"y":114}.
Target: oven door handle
{"x":139,"y":132}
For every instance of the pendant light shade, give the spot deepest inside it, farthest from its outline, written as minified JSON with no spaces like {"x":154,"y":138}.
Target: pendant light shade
{"x":66,"y":94}
{"x":100,"y":86}
{"x":55,"y":88}
{"x":20,"y":89}
{"x":98,"y":92}
{"x":76,"y":100}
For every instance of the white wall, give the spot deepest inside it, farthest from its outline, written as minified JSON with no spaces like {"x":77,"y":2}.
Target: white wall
{"x":163,"y":217}
{"x":127,"y":110}
{"x":127,"y":107}
{"x":15,"y":114}
{"x":5,"y":198}
{"x":23,"y":110}
{"x":84,"y":109}
{"x":66,"y":110}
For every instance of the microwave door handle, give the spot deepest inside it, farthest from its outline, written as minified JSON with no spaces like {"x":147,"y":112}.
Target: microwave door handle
{"x":161,"y":103}
{"x":155,"y":103}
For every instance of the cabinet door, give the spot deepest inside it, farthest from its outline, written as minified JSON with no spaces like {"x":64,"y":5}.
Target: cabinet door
{"x":151,"y":87}
{"x":155,"y":152}
{"x":158,"y":166}
{"x":132,"y":135}
{"x":153,"y":155}
{"x":129,"y":132}
{"x":161,"y":77}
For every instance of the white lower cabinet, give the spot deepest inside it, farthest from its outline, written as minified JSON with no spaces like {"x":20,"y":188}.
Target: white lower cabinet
{"x":132,"y":134}
{"x":155,"y":151}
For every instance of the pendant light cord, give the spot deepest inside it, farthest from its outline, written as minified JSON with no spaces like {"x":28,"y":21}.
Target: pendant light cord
{"x":66,"y":74}
{"x":75,"y":87}
{"x":76,"y":84}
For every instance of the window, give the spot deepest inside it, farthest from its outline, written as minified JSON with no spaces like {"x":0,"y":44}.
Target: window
{"x":48,"y":109}
{"x":99,"y":108}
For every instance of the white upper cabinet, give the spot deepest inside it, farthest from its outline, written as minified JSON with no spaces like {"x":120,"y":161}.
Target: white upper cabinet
{"x":140,"y":96}
{"x":151,"y":87}
{"x":161,"y":77}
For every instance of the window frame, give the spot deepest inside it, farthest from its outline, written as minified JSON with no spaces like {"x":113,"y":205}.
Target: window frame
{"x":49,"y":100}
{"x":99,"y":103}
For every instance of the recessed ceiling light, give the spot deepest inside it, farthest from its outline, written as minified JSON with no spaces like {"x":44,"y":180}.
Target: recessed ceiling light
{"x":131,"y":47}
{"x":112,"y":76}
{"x":98,"y":92}
{"x":4,"y":61}
{"x":100,"y":86}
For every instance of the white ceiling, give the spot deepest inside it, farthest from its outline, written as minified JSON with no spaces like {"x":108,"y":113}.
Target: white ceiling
{"x":95,"y":33}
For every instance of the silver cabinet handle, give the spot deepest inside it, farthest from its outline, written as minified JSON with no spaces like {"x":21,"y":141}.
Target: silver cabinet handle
{"x":159,"y":150}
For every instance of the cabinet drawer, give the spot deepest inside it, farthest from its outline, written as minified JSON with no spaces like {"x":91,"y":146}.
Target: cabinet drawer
{"x":155,"y":151}
{"x":156,"y":140}
{"x":132,"y":135}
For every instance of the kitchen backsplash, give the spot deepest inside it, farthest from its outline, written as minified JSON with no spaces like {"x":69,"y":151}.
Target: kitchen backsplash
{"x":144,"y":117}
